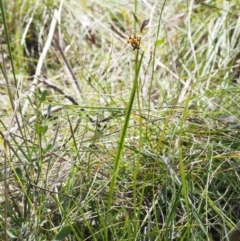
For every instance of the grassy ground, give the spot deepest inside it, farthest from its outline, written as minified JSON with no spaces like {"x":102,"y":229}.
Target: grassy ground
{"x":100,"y":142}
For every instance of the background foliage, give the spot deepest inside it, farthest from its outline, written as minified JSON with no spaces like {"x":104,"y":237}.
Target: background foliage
{"x":100,"y":142}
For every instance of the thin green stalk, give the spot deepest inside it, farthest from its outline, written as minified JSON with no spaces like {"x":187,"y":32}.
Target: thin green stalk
{"x":137,"y":208}
{"x":182,"y":169}
{"x":124,"y":130}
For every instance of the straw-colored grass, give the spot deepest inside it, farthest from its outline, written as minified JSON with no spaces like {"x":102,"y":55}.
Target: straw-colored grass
{"x":100,"y":142}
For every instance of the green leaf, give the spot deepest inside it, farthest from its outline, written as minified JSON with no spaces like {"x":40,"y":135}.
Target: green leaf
{"x":43,"y":96}
{"x":159,"y":42}
{"x":47,"y":148}
{"x":63,"y":233}
{"x":40,"y":130}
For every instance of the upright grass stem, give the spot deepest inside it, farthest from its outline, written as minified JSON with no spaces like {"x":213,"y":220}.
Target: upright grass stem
{"x":124,"y":130}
